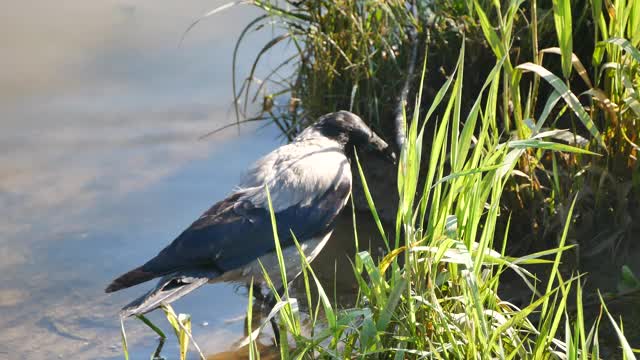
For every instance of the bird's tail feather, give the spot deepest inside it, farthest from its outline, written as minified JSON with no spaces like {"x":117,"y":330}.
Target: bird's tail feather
{"x":131,"y":278}
{"x":169,"y":289}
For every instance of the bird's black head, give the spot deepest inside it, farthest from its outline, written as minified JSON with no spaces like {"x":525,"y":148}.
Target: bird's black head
{"x":349,"y":130}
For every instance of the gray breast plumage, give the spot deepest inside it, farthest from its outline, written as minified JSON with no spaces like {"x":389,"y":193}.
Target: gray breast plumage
{"x":297,"y":173}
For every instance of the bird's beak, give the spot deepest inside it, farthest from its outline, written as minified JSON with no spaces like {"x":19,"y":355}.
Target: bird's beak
{"x":380,"y":146}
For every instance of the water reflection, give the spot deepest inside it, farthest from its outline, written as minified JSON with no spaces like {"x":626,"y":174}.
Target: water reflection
{"x":100,"y":165}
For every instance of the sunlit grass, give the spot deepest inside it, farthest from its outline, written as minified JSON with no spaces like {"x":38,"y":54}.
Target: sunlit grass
{"x":437,"y":293}
{"x":181,"y":325}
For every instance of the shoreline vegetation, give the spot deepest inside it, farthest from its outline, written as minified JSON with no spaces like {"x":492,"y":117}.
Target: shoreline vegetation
{"x":518,"y":123}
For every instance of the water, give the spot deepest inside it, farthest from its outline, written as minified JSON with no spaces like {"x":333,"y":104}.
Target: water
{"x":101,"y":166}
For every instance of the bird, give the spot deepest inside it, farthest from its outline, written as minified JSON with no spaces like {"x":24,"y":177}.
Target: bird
{"x":309,"y":181}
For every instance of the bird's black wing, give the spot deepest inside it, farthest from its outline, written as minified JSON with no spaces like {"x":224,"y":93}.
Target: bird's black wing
{"x":235,"y":232}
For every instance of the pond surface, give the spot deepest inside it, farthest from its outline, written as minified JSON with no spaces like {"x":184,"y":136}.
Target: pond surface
{"x":101,"y":166}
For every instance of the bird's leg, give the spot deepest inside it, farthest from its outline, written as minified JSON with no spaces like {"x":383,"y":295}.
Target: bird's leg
{"x":156,"y":354}
{"x":161,"y":336}
{"x":257,"y":293}
{"x":271,"y":302}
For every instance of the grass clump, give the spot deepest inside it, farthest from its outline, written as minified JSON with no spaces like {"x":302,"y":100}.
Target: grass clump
{"x":436,"y":294}
{"x":346,"y":55}
{"x":600,"y":110}
{"x":359,"y":55}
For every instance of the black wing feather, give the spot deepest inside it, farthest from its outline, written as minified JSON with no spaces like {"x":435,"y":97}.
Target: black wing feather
{"x":235,"y":232}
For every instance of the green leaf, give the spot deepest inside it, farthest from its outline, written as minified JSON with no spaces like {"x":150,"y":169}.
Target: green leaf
{"x":626,"y":46}
{"x":575,"y":61}
{"x":628,"y":280}
{"x":390,"y":306}
{"x":547,"y":145}
{"x":568,"y":96}
{"x":123,"y":337}
{"x":563,"y":22}
{"x":626,"y":348}
{"x":372,"y":205}
{"x":467,"y":172}
{"x":492,"y":36}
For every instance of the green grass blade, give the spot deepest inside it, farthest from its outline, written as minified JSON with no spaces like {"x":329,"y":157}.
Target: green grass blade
{"x":123,"y":337}
{"x":575,"y":61}
{"x":625,"y":45}
{"x":568,"y":96}
{"x":276,"y":238}
{"x":627,"y":351}
{"x":391,"y":304}
{"x":563,"y":23}
{"x":151,"y":325}
{"x":491,"y":35}
{"x":547,"y":145}
{"x":372,"y":205}
{"x":556,"y":263}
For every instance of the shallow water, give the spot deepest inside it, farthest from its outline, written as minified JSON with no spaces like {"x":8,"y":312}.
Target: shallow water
{"x":101,"y":166}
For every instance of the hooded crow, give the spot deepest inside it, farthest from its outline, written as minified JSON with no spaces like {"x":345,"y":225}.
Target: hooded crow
{"x":309,"y":181}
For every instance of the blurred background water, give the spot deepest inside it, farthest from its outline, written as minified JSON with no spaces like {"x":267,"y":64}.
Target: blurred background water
{"x":101,"y":166}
